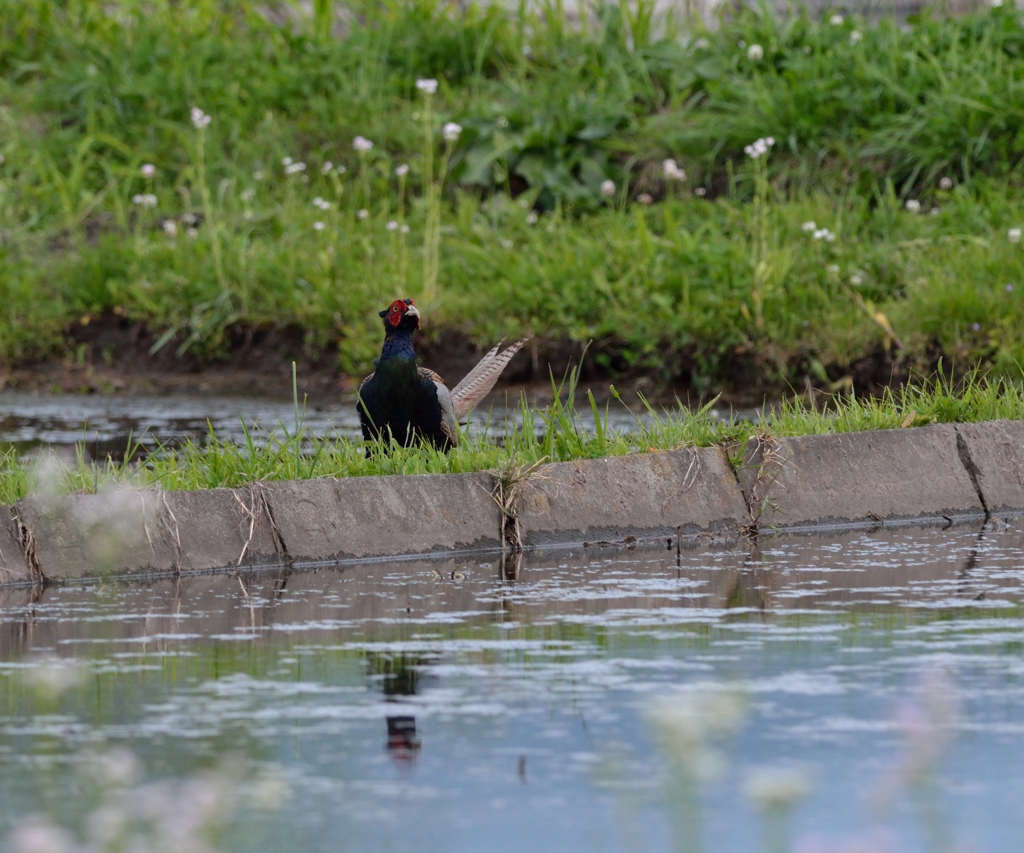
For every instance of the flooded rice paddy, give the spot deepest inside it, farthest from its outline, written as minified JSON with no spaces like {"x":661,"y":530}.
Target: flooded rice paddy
{"x":861,"y":691}
{"x":107,"y":425}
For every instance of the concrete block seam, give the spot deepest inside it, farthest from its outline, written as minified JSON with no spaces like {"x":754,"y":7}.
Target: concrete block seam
{"x":964,"y":452}
{"x":258,"y":507}
{"x":27,"y":540}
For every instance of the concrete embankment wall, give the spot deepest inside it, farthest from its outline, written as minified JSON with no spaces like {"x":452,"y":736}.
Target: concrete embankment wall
{"x":924,"y":473}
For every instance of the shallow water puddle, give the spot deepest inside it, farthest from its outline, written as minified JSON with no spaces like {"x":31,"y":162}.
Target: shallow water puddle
{"x":858,"y":691}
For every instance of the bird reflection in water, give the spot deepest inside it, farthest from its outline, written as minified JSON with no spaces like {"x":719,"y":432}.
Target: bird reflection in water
{"x":399,"y":676}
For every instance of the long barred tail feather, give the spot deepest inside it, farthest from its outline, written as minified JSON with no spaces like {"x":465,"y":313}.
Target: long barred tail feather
{"x":478,"y":383}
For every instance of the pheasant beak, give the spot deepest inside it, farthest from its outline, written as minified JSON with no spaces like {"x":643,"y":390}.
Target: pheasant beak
{"x":412,"y":312}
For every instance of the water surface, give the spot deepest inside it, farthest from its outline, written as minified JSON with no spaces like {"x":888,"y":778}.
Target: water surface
{"x":870,"y":685}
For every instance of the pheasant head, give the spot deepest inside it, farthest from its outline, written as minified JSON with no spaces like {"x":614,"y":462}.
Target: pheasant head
{"x":401,"y":319}
{"x":400,"y":315}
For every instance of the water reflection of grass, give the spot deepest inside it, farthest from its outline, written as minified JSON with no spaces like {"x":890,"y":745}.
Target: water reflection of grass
{"x":554,"y":433}
{"x":115,"y":796}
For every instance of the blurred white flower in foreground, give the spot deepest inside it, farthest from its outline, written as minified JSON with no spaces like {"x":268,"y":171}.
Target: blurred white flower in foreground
{"x":402,"y":170}
{"x":995,"y":3}
{"x":451,"y":131}
{"x":755,"y":53}
{"x":644,"y":198}
{"x":913,"y":205}
{"x":427,"y":85}
{"x":855,"y":36}
{"x":170,"y":228}
{"x":52,"y":677}
{"x":945,"y":183}
{"x":776,"y":788}
{"x":200,"y":119}
{"x":144,"y":199}
{"x":321,"y":204}
{"x":326,"y":168}
{"x":672,"y":171}
{"x":392,"y":225}
{"x":824,"y":234}
{"x":318,"y":226}
{"x":856,"y":280}
{"x":148,"y":170}
{"x":531,"y":218}
{"x":362,"y":214}
{"x":700,"y":191}
{"x":362,"y":144}
{"x":689,"y":722}
{"x":294,"y":168}
{"x":836,"y":20}
{"x":607,"y":188}
{"x":810,"y":226}
{"x":1013,"y":235}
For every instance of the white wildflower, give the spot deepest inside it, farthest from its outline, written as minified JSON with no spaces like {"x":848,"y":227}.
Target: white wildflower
{"x":995,"y":4}
{"x":755,"y":53}
{"x":913,"y":205}
{"x":362,"y":144}
{"x":934,"y":211}
{"x":945,"y":183}
{"x":318,"y":226}
{"x":392,"y":225}
{"x":248,"y":195}
{"x":427,"y":85}
{"x":295,"y":168}
{"x":759,"y":147}
{"x":1013,"y":235}
{"x":507,"y":244}
{"x":200,"y":119}
{"x":824,"y":234}
{"x":836,"y":20}
{"x":402,"y":171}
{"x":672,"y":171}
{"x":362,"y":214}
{"x":326,"y":168}
{"x":855,"y":36}
{"x":700,"y":191}
{"x":144,"y":199}
{"x":321,"y":204}
{"x":192,"y":233}
{"x":170,"y":228}
{"x":148,"y":170}
{"x":776,"y":789}
{"x":702,"y":44}
{"x":856,"y":280}
{"x":404,"y":229}
{"x":607,"y":188}
{"x":809,"y":226}
{"x":1009,"y":288}
{"x":502,"y":122}
{"x":451,"y":131}
{"x":833,"y":268}
{"x":189,"y":218}
{"x":286,"y":161}
{"x":644,"y":198}
{"x":257,"y":175}
{"x":531,"y":218}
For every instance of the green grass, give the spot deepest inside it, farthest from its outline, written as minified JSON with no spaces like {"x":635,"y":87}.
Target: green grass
{"x":706,"y":288}
{"x":558,"y":435}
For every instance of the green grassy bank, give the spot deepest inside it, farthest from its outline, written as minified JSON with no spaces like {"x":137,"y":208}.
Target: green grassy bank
{"x":558,"y":435}
{"x":902,"y":142}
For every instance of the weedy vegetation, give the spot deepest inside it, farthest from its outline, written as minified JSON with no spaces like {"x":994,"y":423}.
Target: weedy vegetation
{"x":199,"y":173}
{"x":555,"y":433}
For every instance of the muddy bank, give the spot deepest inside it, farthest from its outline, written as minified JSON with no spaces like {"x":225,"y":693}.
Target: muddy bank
{"x":111,"y":355}
{"x":933,"y":473}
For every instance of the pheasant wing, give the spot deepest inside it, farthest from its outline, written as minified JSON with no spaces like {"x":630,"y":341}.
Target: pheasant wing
{"x":480,"y":380}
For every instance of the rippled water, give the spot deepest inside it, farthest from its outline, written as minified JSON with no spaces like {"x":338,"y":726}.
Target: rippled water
{"x":601,"y":700}
{"x":106,"y":425}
